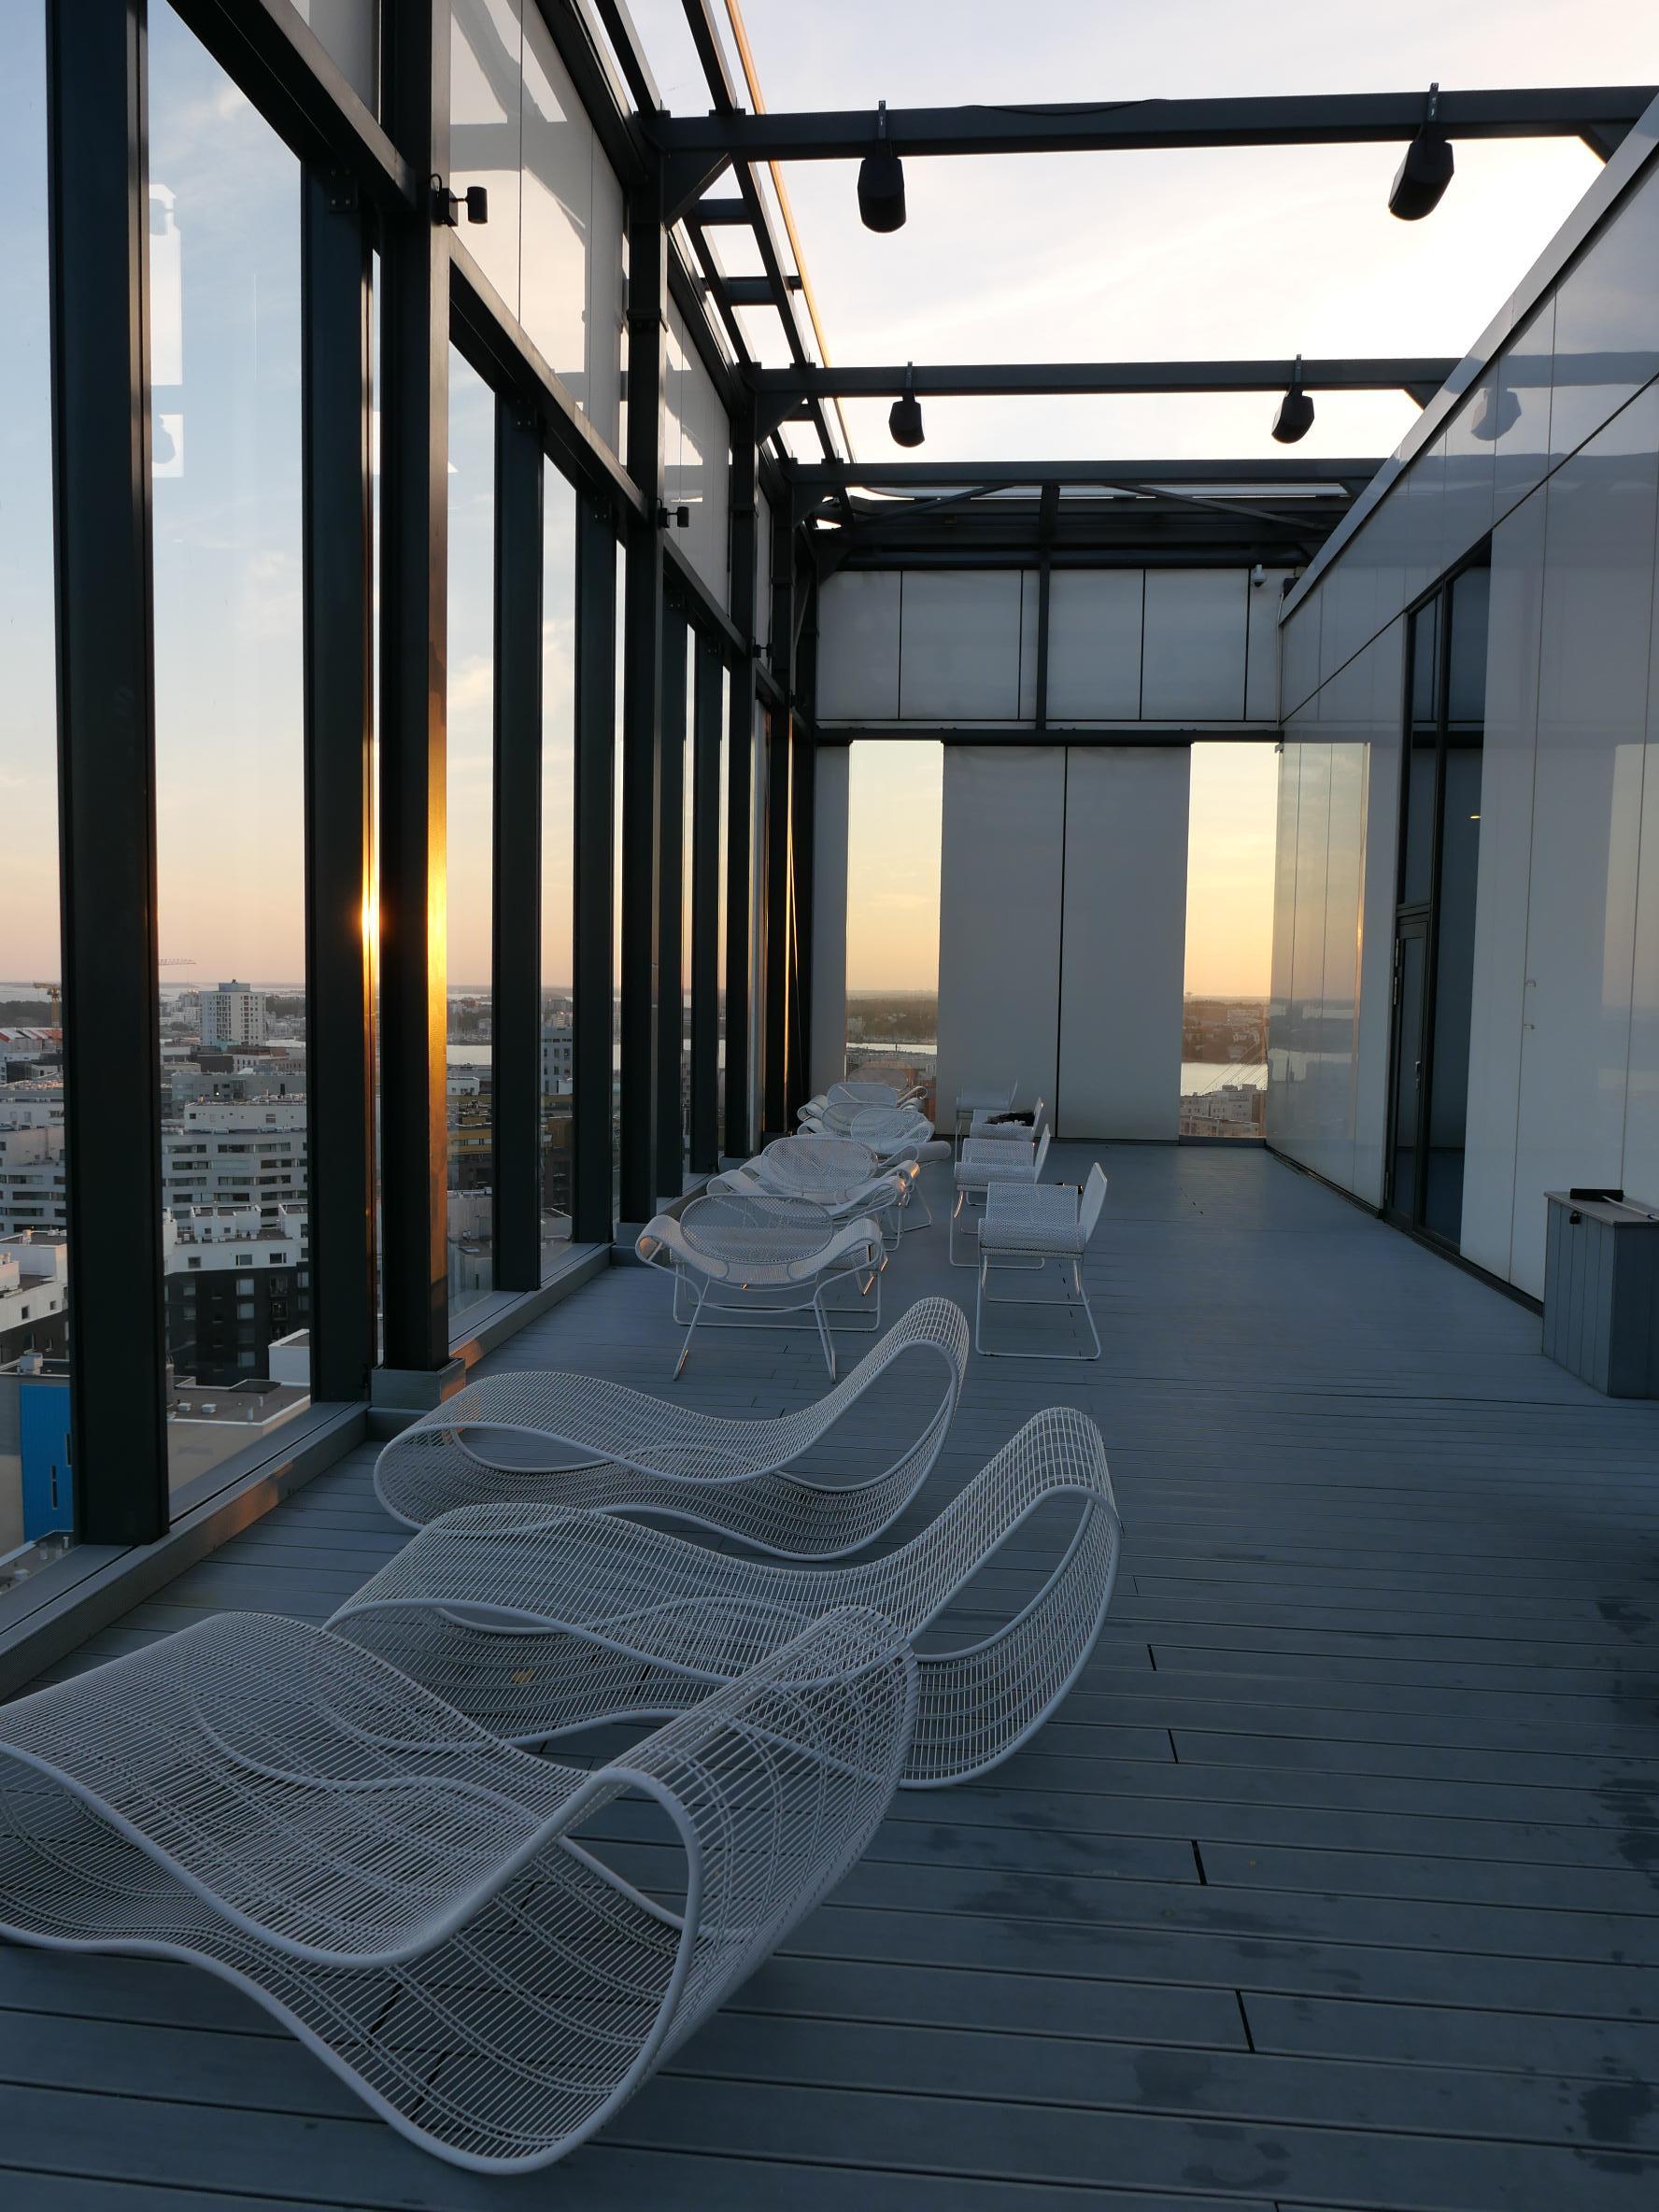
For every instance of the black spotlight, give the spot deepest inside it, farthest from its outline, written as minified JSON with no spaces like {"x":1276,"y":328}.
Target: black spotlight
{"x":1295,"y":418}
{"x":1495,"y":412}
{"x":904,"y":417}
{"x":881,"y":183}
{"x":1422,"y":177}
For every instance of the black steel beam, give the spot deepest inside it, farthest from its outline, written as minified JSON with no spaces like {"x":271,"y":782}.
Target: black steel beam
{"x":338,"y":599}
{"x":111,"y":1015}
{"x":705,"y":907}
{"x":773,"y":861}
{"x":779,"y":388}
{"x":1027,"y":733}
{"x":936,"y":475}
{"x":594,"y":890}
{"x":642,"y":704}
{"x":727,"y":211}
{"x":803,"y":796}
{"x":414,"y":580}
{"x":737,"y":1134}
{"x":516,"y":919}
{"x":671,"y":889}
{"x":1121,"y":126}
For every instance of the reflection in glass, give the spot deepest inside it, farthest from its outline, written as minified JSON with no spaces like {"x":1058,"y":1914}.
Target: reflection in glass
{"x":230,"y":764}
{"x":36,"y":1493}
{"x":687,"y":823}
{"x":559,"y":852}
{"x":469,"y":802}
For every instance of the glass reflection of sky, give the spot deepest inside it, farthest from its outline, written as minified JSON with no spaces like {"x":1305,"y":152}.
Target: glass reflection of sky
{"x":472,"y":672}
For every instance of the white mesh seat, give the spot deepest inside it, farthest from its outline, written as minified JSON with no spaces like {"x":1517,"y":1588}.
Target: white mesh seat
{"x":982,"y":1099}
{"x":405,"y":1891}
{"x":537,"y":1623}
{"x":835,"y":1172}
{"x":637,"y":1454}
{"x":742,"y":1259}
{"x":987,"y":1160}
{"x":1025,"y":1229}
{"x":1022,"y":1131}
{"x":901,"y":1138}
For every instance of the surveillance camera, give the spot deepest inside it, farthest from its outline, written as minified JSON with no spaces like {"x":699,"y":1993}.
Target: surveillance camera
{"x":1258,"y":576}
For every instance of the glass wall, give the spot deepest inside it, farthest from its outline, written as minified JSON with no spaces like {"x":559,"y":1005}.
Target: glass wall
{"x":1230,"y":856}
{"x":687,"y":828}
{"x":36,"y":1499}
{"x":617,"y":902}
{"x":559,"y":854}
{"x":469,"y":813}
{"x":894,"y":800}
{"x":225,"y":360}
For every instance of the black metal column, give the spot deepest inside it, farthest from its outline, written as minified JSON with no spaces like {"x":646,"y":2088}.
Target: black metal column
{"x":671,"y":893}
{"x":339,"y":787}
{"x":705,"y":909}
{"x":516,"y":916}
{"x":775,"y":863}
{"x":414,"y":493}
{"x":642,"y":705}
{"x":737,"y":1134}
{"x":802,"y":790}
{"x":594,"y":889}
{"x":96,"y":100}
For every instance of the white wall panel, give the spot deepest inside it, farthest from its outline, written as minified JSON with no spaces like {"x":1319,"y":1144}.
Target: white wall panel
{"x":831,"y":765}
{"x":1425,"y":493}
{"x":1499,"y":1006}
{"x":349,"y":31}
{"x":1385,"y":670}
{"x":1030,"y":593}
{"x":699,"y":457}
{"x":1640,"y":1177}
{"x":606,"y":303}
{"x":1593,"y":682}
{"x":960,"y":646}
{"x":1261,"y":672}
{"x":1123,"y":941}
{"x":1284,"y":885}
{"x":1299,"y":655}
{"x":1606,"y":323}
{"x":1471,"y":467}
{"x":859,"y":647}
{"x":486,"y":47}
{"x":1192,"y":653}
{"x":1522,"y":422}
{"x":1001,"y":851}
{"x":1094,"y":645}
{"x":557,"y":211}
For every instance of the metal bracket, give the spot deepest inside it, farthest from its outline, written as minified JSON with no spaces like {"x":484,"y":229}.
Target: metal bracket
{"x":685,"y":179}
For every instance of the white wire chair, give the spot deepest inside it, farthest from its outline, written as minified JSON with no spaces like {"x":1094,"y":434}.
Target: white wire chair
{"x":835,"y":1172}
{"x":1004,"y":1126}
{"x":275,"y":1803}
{"x":857,"y":1092}
{"x":902,"y":1140}
{"x":987,"y":1160}
{"x":982,"y":1099}
{"x":754,"y":1260}
{"x":644,"y":1454}
{"x":1024,"y":1228}
{"x":540,"y":1622}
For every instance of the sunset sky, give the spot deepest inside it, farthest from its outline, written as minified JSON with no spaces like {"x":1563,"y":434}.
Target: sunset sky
{"x":1054,"y":257}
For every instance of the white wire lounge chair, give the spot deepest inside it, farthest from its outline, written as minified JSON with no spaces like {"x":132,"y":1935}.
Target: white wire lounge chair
{"x":982,"y":1099}
{"x":835,"y":1172}
{"x":1022,"y":1129}
{"x":537,"y":1622}
{"x":902,"y":1139}
{"x":405,"y":1891}
{"x":987,"y":1160}
{"x":551,"y":1439}
{"x":1026,"y":1227}
{"x":742,"y":1260}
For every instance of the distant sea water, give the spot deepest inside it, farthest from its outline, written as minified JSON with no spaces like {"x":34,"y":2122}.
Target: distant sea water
{"x":1197,"y":1076}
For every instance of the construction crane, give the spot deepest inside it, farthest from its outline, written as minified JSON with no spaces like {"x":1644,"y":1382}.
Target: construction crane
{"x":54,"y":992}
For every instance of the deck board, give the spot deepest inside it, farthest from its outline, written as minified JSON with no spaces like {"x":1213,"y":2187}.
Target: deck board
{"x":1335,"y":1884}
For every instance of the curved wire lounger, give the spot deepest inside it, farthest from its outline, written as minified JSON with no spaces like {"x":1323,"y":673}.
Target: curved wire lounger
{"x":276,"y":1804}
{"x":538,"y":1622}
{"x":645,"y":1454}
{"x":900,"y":1137}
{"x":836,"y":1173}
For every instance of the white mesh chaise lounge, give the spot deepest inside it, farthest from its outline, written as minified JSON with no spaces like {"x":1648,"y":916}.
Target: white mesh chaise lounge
{"x":1022,"y":1131}
{"x":856,"y":1092}
{"x":835,"y":1172}
{"x":1025,"y":1228}
{"x":549,"y":1438}
{"x":535,"y":1622}
{"x":901,"y":1138}
{"x":987,"y":1160}
{"x":406,"y":1893}
{"x":747,"y":1260}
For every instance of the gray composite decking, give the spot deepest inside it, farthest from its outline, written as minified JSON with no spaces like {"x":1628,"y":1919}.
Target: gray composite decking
{"x":1334,"y":1883}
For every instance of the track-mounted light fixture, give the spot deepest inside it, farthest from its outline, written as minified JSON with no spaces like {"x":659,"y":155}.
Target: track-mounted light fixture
{"x":904,"y":417}
{"x":1295,"y":418}
{"x":1426,"y":171}
{"x":881,"y":182}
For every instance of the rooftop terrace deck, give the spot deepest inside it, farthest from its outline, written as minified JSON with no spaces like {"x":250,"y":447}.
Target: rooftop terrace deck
{"x":1333,"y":1884}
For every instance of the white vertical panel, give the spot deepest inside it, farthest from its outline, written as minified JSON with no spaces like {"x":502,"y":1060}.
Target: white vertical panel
{"x":1425,"y":492}
{"x":831,"y":767}
{"x":1261,"y":671}
{"x":703,"y":479}
{"x":859,"y":647}
{"x":1001,"y":852}
{"x":959,"y":655}
{"x":1299,"y":655}
{"x":1344,"y":706}
{"x":1384,"y":665}
{"x":1123,"y":941}
{"x":1522,"y":420}
{"x":485,"y":48}
{"x":763,"y":572}
{"x":349,"y":31}
{"x":1192,"y":654}
{"x":1094,"y":645}
{"x":1497,"y":1008}
{"x":1471,"y":463}
{"x":1640,"y":1176}
{"x":1593,"y":680}
{"x":1606,"y":323}
{"x":606,"y":302}
{"x":1030,"y":595}
{"x":557,"y":209}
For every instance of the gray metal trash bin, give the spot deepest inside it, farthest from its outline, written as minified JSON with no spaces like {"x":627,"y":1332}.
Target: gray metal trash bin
{"x":1601,"y":1291}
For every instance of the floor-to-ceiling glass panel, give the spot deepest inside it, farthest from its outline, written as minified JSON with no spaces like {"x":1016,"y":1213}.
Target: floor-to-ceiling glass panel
{"x":895,"y":802}
{"x":36,"y":1503}
{"x":687,"y":825}
{"x":617,"y":897}
{"x":725,"y":848}
{"x":1409,"y":954}
{"x":225,"y":362}
{"x":469,"y":803}
{"x":1230,"y":856}
{"x":559,"y":855}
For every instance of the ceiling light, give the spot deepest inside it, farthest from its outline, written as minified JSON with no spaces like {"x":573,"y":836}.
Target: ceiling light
{"x":1295,"y":418}
{"x":1426,"y":171}
{"x":881,"y":183}
{"x":904,"y":418}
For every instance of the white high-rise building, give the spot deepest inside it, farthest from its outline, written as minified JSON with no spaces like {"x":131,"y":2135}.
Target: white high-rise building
{"x":234,"y":1153}
{"x":231,"y":1015}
